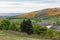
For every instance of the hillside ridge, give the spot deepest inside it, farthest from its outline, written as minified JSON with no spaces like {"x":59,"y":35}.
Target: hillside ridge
{"x":42,"y":13}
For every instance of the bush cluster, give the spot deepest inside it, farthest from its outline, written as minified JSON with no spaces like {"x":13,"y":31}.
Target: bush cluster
{"x":5,"y":24}
{"x":26,"y":26}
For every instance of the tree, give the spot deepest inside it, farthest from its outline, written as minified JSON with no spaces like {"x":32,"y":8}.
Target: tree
{"x":26,"y":26}
{"x":23,"y":26}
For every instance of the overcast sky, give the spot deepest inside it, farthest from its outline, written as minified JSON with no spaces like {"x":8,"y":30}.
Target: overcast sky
{"x":23,"y":6}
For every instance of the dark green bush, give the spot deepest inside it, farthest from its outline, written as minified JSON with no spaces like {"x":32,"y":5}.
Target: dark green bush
{"x":26,"y":26}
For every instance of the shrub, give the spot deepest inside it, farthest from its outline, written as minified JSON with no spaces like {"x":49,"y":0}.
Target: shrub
{"x":26,"y":26}
{"x":42,"y":30}
{"x":13,"y":26}
{"x":5,"y":23}
{"x":39,"y":29}
{"x":50,"y":33}
{"x":36,"y":29}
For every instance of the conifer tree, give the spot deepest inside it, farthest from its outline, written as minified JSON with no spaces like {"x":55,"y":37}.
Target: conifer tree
{"x":26,"y":26}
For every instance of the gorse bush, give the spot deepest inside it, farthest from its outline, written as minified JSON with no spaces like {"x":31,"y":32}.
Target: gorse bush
{"x":26,"y":26}
{"x":4,"y":24}
{"x":36,"y":29}
{"x":42,"y":30}
{"x":39,"y":29}
{"x":13,"y":26}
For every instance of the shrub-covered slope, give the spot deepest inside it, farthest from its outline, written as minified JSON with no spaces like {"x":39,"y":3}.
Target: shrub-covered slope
{"x":45,"y":13}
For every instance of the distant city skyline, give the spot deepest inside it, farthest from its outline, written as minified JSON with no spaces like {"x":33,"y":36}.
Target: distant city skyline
{"x":23,"y":6}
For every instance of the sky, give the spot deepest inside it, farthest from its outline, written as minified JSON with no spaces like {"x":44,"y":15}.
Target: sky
{"x":24,"y":6}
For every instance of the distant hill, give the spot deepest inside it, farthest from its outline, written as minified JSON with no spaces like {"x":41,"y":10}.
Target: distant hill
{"x":28,"y":15}
{"x":45,"y":13}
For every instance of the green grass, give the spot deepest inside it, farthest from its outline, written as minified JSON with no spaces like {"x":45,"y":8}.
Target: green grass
{"x":52,"y":20}
{"x":13,"y":36}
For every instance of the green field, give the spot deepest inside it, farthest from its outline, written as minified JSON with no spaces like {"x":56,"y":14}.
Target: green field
{"x":52,"y":20}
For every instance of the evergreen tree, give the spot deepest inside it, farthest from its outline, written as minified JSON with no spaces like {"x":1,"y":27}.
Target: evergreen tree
{"x":26,"y":26}
{"x":23,"y":26}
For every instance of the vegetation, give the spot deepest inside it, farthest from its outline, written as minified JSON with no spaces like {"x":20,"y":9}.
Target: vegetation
{"x":13,"y":26}
{"x":26,"y":26}
{"x":58,"y":23}
{"x":29,"y":26}
{"x":28,"y":15}
{"x":13,"y":35}
{"x":4,"y":24}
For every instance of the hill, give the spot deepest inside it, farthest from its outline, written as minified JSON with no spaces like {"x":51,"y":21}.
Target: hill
{"x":28,"y":15}
{"x":45,"y":13}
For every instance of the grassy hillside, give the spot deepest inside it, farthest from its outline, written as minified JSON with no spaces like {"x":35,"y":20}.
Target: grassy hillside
{"x":13,"y":35}
{"x":28,"y":15}
{"x":45,"y":13}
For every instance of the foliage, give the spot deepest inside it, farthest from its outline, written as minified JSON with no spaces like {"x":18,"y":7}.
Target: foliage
{"x":13,"y":26}
{"x":42,"y":30}
{"x":36,"y":29}
{"x":26,"y":26}
{"x":39,"y":29}
{"x":4,"y":24}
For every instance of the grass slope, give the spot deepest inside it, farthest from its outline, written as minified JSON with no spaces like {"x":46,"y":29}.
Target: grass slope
{"x":12,"y":35}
